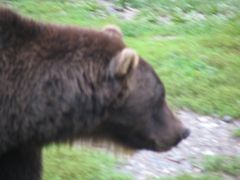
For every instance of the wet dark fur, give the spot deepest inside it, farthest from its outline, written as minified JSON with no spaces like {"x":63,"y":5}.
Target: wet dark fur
{"x":55,"y":85}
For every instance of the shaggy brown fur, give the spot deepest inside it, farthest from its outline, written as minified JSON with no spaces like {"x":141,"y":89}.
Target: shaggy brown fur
{"x":60,"y":83}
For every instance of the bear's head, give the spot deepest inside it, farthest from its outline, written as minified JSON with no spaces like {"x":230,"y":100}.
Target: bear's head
{"x":139,"y":118}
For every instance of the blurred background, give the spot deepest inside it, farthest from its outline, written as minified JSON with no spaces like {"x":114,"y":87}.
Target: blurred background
{"x":194,"y":46}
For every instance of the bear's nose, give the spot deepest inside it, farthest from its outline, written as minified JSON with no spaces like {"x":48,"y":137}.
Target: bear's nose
{"x":186,"y":133}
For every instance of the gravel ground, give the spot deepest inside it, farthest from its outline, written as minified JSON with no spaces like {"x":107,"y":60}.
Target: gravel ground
{"x":209,"y":136}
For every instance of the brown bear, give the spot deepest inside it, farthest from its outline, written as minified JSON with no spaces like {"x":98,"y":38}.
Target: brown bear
{"x":60,"y":83}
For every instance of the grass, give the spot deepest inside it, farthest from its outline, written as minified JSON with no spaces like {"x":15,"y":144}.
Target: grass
{"x":193,"y":177}
{"x":61,"y":163}
{"x":226,"y":164}
{"x":215,"y":168}
{"x":236,"y":132}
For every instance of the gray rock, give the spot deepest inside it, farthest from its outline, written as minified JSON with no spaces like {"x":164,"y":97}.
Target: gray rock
{"x":227,"y":119}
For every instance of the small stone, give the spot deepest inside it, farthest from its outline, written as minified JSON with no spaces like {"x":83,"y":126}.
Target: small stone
{"x":196,"y":170}
{"x":209,"y":125}
{"x":148,"y":173}
{"x":203,"y":119}
{"x":165,"y":171}
{"x":208,"y":152}
{"x":227,"y":119}
{"x":111,"y":10}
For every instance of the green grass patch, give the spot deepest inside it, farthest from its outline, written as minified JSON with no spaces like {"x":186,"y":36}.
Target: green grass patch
{"x":225,"y":164}
{"x":63,"y":162}
{"x":187,"y":176}
{"x":84,"y":13}
{"x":236,"y":132}
{"x":215,"y":168}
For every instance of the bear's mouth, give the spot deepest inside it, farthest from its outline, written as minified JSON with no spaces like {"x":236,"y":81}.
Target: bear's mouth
{"x":123,"y":139}
{"x":123,"y":144}
{"x":131,"y":143}
{"x":106,"y":143}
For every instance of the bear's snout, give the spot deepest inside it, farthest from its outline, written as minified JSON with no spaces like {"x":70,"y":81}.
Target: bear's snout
{"x":186,"y":132}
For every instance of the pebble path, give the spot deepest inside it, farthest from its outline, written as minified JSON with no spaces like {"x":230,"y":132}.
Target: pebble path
{"x":209,"y":136}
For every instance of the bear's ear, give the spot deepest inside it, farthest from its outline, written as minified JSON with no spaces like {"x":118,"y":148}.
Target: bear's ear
{"x":124,"y":63}
{"x":113,"y":30}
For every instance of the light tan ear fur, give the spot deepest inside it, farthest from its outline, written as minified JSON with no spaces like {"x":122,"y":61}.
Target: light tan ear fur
{"x":113,"y":30}
{"x":127,"y":60}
